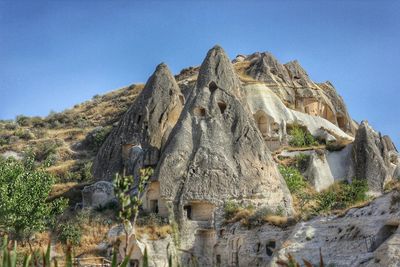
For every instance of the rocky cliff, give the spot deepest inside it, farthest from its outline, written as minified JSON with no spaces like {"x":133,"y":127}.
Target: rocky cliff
{"x":222,"y":145}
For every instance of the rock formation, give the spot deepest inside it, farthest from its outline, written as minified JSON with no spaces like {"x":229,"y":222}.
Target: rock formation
{"x":215,"y":148}
{"x":98,"y":195}
{"x":371,"y":158}
{"x":147,"y":124}
{"x":273,"y":117}
{"x":215,"y":151}
{"x":318,"y":172}
{"x":291,"y":83}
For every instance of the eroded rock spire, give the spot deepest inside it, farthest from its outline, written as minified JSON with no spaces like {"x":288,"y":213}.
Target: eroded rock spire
{"x":146,"y":124}
{"x":215,"y":151}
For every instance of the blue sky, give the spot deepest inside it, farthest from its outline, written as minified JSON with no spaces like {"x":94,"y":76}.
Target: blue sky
{"x":54,"y":54}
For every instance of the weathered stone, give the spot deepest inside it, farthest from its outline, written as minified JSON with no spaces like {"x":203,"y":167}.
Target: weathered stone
{"x":389,"y":143}
{"x":266,"y":68}
{"x":318,"y":172}
{"x":324,"y":136}
{"x":97,"y":195}
{"x":147,"y":123}
{"x":370,"y":158}
{"x":291,"y":83}
{"x":272,"y":118}
{"x":340,"y":163}
{"x":396,"y":173}
{"x":215,"y":151}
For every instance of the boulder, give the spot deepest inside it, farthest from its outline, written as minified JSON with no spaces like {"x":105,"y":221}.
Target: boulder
{"x":371,"y":158}
{"x":98,"y":194}
{"x":318,"y":172}
{"x":147,"y":123}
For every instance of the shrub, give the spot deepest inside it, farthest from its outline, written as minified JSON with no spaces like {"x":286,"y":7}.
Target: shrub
{"x":22,"y":120}
{"x":24,"y":134}
{"x":342,"y":195}
{"x":301,"y":137}
{"x":4,"y":140}
{"x":10,"y":126}
{"x":294,"y":180}
{"x":258,"y":217}
{"x":70,"y":234}
{"x":50,"y":160}
{"x":45,"y":148}
{"x":81,"y":171}
{"x":24,"y":192}
{"x":96,"y":137}
{"x":302,"y":161}
{"x":230,"y":209}
{"x":38,"y":122}
{"x":150,"y":219}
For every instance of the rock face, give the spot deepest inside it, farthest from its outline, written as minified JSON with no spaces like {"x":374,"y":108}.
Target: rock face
{"x":366,"y":236}
{"x":215,"y":151}
{"x":371,"y":158}
{"x":97,"y":195}
{"x":291,"y":83}
{"x":147,"y":124}
{"x":359,"y":238}
{"x":318,"y":172}
{"x":273,"y":117}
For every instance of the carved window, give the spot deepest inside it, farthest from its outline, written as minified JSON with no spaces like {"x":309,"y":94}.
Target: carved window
{"x":270,"y":247}
{"x":154,"y":205}
{"x":222,"y":106}
{"x":188,"y":210}
{"x":199,"y":111}
{"x":212,"y":86}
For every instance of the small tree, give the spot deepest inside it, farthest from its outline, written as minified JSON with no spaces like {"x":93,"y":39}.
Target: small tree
{"x":129,"y":203}
{"x":24,"y":207}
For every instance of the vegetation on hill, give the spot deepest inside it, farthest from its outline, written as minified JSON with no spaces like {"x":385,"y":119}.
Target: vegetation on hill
{"x":308,"y":202}
{"x":24,"y":191}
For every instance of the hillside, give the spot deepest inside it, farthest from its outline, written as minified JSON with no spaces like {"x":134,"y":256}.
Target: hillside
{"x":252,"y":161}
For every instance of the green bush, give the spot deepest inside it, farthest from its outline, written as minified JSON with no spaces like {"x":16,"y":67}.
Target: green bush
{"x":4,"y":140}
{"x":294,"y":180}
{"x":10,"y":126}
{"x":230,"y":209}
{"x":70,"y":234}
{"x":45,"y":148}
{"x":81,"y":171}
{"x":24,"y":134}
{"x":95,"y":139}
{"x":342,"y":195}
{"x":22,"y":120}
{"x":301,"y":137}
{"x":24,"y":192}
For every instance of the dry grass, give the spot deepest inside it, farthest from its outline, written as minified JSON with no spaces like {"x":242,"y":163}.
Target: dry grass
{"x":154,"y":232}
{"x":241,"y":215}
{"x":62,"y":168}
{"x":93,"y":234}
{"x":280,"y":221}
